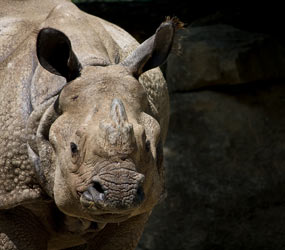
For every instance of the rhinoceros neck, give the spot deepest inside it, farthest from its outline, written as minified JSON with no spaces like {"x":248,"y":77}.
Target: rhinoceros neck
{"x":64,"y":231}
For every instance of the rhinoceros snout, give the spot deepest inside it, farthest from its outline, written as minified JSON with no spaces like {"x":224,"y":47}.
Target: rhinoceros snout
{"x":117,"y":190}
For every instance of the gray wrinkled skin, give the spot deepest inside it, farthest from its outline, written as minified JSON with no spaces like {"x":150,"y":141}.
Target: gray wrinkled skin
{"x":78,"y":162}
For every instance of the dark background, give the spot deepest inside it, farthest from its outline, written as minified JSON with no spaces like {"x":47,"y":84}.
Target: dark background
{"x":225,"y":152}
{"x":141,"y":18}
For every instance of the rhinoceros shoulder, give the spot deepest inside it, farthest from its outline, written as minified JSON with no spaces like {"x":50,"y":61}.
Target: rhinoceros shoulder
{"x":18,"y":183}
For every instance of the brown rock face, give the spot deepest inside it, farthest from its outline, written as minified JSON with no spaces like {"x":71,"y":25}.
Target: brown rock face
{"x":225,"y":150}
{"x":225,"y":164}
{"x":221,"y":54}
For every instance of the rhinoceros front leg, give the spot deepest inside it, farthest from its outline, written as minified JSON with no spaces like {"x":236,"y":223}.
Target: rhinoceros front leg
{"x":120,"y":236}
{"x":20,"y":230}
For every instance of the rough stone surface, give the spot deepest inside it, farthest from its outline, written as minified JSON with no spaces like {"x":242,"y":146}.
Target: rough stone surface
{"x":225,"y":149}
{"x":221,"y":54}
{"x":225,"y":162}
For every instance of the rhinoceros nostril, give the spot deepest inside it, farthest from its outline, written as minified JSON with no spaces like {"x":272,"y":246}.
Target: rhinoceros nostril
{"x":140,"y":194}
{"x":98,"y":187}
{"x":96,"y":195}
{"x":124,"y":157}
{"x":94,"y":192}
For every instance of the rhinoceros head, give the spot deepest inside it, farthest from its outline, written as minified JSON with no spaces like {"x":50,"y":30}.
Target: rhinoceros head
{"x":99,"y":135}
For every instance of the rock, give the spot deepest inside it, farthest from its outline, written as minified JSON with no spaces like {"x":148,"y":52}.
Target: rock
{"x":225,"y":157}
{"x":221,"y":54}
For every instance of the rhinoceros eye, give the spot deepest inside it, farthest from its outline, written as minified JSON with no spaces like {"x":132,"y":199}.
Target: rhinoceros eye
{"x":73,"y":148}
{"x":75,"y":156}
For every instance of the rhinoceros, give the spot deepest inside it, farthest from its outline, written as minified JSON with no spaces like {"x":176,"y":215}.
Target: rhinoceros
{"x":84,"y":115}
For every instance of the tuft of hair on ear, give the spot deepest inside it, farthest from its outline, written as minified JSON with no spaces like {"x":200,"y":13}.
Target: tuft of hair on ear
{"x":176,"y":22}
{"x":178,"y":25}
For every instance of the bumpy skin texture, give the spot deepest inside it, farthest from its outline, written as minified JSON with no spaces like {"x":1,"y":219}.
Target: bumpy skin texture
{"x":38,"y":209}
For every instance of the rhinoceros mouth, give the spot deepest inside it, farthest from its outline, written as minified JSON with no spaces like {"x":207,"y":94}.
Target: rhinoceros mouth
{"x":99,"y":210}
{"x":116,"y":187}
{"x":94,"y":194}
{"x":92,"y":198}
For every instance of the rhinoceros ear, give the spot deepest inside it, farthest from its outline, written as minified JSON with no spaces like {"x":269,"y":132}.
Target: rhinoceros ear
{"x":154,"y":51}
{"x":55,"y":54}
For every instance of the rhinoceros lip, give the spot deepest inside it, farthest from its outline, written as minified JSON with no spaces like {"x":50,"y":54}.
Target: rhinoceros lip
{"x":91,"y":197}
{"x":92,"y":194}
{"x":95,"y":203}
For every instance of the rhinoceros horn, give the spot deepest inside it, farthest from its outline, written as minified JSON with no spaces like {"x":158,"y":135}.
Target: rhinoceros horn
{"x":118,"y":133}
